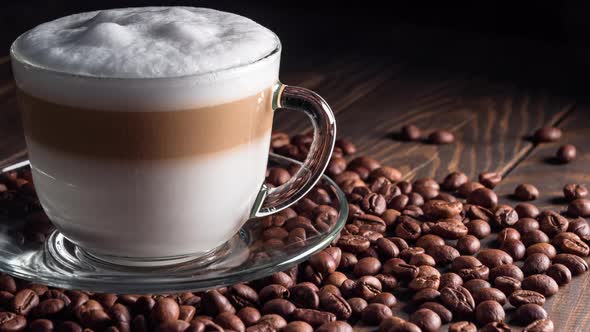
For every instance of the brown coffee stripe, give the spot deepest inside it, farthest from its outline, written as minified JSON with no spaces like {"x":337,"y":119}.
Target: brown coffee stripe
{"x":146,"y":135}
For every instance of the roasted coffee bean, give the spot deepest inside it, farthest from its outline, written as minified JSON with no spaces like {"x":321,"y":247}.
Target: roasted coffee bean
{"x":374,"y":204}
{"x":462,"y":326}
{"x":408,"y":228}
{"x":330,"y":289}
{"x":528,"y":313}
{"x":367,"y":266}
{"x":526,"y":210}
{"x":273,"y":291}
{"x":336,"y":166}
{"x":478,"y":228}
{"x":386,"y":248}
{"x":489,"y":294}
{"x":242,"y":295}
{"x":450,"y":279}
{"x":429,"y":240}
{"x":304,"y":295}
{"x":408,"y":253}
{"x":560,"y":273}
{"x":390,"y":216}
{"x":388,"y":282}
{"x":7,"y":284}
{"x":421,"y":282}
{"x":337,"y":326}
{"x":335,"y":304}
{"x":507,"y":270}
{"x":24,"y":301}
{"x":495,"y":327}
{"x":507,"y":285}
{"x":139,"y":324}
{"x":298,"y":326}
{"x":449,"y":229}
{"x":442,"y":209}
{"x":278,"y":306}
{"x":526,"y":224}
{"x":214,"y":303}
{"x":357,"y":305}
{"x":535,"y":237}
{"x":446,"y":197}
{"x":484,"y":197}
{"x":573,"y":246}
{"x":323,"y":262}
{"x":385,"y":298}
{"x":336,"y":279}
{"x":445,"y":314}
{"x":552,"y":222}
{"x":353,"y":243}
{"x":468,"y":245}
{"x":410,"y":133}
{"x":43,"y":325}
{"x":580,"y":227}
{"x":476,"y":272}
{"x":399,"y":202}
{"x":384,"y":187}
{"x":11,"y":322}
{"x":5,"y":298}
{"x":366,"y":162}
{"x":427,"y":271}
{"x":367,"y":287}
{"x":170,"y":326}
{"x":574,"y":191}
{"x":277,"y":176}
{"x":504,"y":216}
{"x":566,"y":153}
{"x":494,"y":257}
{"x":541,"y":325}
{"x":187,"y":312}
{"x":313,"y":317}
{"x":468,"y":187}
{"x":579,"y":207}
{"x":441,"y":137}
{"x":390,"y":173}
{"x":490,"y":179}
{"x":575,"y":264}
{"x":404,"y":271}
{"x":346,"y":146}
{"x":458,"y":300}
{"x":454,"y":180}
{"x":249,"y":315}
{"x":426,"y":319}
{"x":276,"y":322}
{"x":463,"y":262}
{"x":426,"y":295}
{"x":514,"y":248}
{"x":422,"y":259}
{"x":166,"y":309}
{"x":540,"y":283}
{"x":489,"y":311}
{"x":474,"y":285}
{"x":547,"y":134}
{"x":48,"y":308}
{"x":374,"y":313}
{"x":230,"y":321}
{"x":507,"y":234}
{"x":521,"y":297}
{"x":526,"y":192}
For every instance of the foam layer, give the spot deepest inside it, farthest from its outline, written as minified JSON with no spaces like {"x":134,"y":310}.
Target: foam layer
{"x":154,"y":58}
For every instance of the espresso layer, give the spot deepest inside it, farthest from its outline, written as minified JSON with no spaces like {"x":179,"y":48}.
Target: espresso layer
{"x":136,"y":135}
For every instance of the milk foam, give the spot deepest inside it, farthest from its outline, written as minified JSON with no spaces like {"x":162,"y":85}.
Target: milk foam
{"x":159,"y":58}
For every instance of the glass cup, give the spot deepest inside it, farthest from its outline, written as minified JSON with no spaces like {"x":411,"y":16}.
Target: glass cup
{"x":161,"y":170}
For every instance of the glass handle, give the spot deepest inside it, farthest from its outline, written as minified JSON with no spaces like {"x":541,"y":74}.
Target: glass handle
{"x":271,"y":200}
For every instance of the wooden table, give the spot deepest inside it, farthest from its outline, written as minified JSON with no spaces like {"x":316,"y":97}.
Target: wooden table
{"x":374,"y":94}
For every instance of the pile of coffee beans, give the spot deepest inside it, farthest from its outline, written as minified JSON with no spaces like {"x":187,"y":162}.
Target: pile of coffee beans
{"x":434,"y":252}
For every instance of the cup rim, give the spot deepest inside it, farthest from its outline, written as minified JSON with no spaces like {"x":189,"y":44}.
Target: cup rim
{"x":15,"y":56}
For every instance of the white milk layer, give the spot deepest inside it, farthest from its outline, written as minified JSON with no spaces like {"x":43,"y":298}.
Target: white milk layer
{"x":150,"y":209}
{"x":152,"y":58}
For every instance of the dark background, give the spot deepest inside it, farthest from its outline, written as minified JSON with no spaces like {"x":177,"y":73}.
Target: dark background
{"x":540,"y":43}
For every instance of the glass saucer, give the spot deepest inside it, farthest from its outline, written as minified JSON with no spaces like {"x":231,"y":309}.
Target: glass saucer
{"x":35,"y":252}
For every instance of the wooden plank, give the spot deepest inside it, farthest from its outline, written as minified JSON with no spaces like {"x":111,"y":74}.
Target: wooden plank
{"x":570,"y":308}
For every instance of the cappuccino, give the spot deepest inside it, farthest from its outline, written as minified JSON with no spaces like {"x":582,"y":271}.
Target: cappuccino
{"x":148,"y":129}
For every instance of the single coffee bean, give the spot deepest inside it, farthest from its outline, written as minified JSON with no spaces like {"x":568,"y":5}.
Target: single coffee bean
{"x":445,"y":314}
{"x":526,"y":224}
{"x":336,"y":166}
{"x":276,"y":322}
{"x":489,"y":311}
{"x":580,"y":227}
{"x":566,"y":153}
{"x":11,"y":322}
{"x":463,"y":262}
{"x":462,"y":326}
{"x":530,"y":312}
{"x":408,"y":228}
{"x":230,"y":321}
{"x":353,"y":243}
{"x":478,"y":228}
{"x":335,"y":304}
{"x":390,"y":173}
{"x":242,"y":295}
{"x":468,"y":245}
{"x":7,"y":284}
{"x":410,"y":133}
{"x":560,"y":273}
{"x":504,"y":216}
{"x":507,"y":234}
{"x":574,"y":191}
{"x":426,"y":295}
{"x":437,"y":209}
{"x":357,"y":305}
{"x":337,"y":326}
{"x":428,"y":188}
{"x":279,"y":307}
{"x":458,"y":300}
{"x":212,"y":303}
{"x":541,"y":325}
{"x":50,"y":307}
{"x":367,"y":287}
{"x":43,"y":325}
{"x":542,"y":247}
{"x":408,"y":253}
{"x":507,"y":270}
{"x":490,"y":179}
{"x":526,"y":192}
{"x":323,"y":262}
{"x":421,"y":282}
{"x":468,"y":187}
{"x":537,"y":284}
{"x":429,"y":240}
{"x":547,"y":134}
{"x":24,"y":301}
{"x":427,"y":271}
{"x":374,"y":204}
{"x":273,"y":291}
{"x":367,"y":266}
{"x":514,"y":248}
{"x":304,"y":295}
{"x":495,"y":327}
{"x":366,"y":162}
{"x":330,"y":289}
{"x":489,"y":294}
{"x":313,"y":317}
{"x":446,"y":197}
{"x":573,"y":246}
{"x":484,"y":197}
{"x":388,"y":282}
{"x":449,"y":229}
{"x":450,"y":279}
{"x":346,"y":146}
{"x":579,"y":207}
{"x":454,"y":180}
{"x":385,"y":298}
{"x":249,"y":315}
{"x":335,"y":278}
{"x":552,"y":222}
{"x":374,"y":313}
{"x":494,"y":257}
{"x":474,"y":285}
{"x":426,"y":319}
{"x":507,"y":285}
{"x":165,"y":309}
{"x":441,"y":137}
{"x":575,"y":264}
{"x":444,"y":254}
{"x":526,"y":210}
{"x":422,"y":259}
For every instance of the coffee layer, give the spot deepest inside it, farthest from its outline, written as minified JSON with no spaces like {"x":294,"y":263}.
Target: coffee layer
{"x":146,"y":135}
